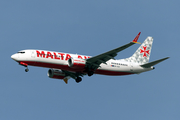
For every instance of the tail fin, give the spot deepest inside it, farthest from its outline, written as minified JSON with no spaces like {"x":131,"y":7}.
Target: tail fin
{"x":142,"y":54}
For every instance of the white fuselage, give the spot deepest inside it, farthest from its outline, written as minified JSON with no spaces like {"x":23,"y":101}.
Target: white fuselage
{"x":59,"y":60}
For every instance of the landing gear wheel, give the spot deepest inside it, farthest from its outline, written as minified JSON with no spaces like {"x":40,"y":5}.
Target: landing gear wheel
{"x":26,"y":70}
{"x":78,"y":79}
{"x":90,"y":73}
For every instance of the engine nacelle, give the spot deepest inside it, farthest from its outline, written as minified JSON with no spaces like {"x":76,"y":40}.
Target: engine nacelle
{"x":57,"y":74}
{"x":76,"y":63}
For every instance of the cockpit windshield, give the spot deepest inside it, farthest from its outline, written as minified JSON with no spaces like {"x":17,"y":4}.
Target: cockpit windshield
{"x":21,"y":52}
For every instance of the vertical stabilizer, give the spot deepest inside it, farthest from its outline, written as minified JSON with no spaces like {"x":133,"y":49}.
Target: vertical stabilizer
{"x":142,"y":54}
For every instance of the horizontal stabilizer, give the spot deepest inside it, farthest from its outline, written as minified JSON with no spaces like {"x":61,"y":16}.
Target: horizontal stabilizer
{"x":147,"y":65}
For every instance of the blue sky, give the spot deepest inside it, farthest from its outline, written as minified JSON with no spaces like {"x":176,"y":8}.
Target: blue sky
{"x":89,"y":28}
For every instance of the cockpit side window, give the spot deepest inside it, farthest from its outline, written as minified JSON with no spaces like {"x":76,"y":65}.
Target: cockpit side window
{"x":21,"y":52}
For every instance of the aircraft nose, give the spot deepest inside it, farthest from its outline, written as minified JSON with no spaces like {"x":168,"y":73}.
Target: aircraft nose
{"x":14,"y":57}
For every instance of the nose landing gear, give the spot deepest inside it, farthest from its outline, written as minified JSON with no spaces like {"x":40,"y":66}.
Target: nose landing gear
{"x":25,"y":65}
{"x":26,"y":70}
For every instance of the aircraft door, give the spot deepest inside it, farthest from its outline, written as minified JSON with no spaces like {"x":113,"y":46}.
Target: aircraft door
{"x":33,"y":54}
{"x":131,"y":67}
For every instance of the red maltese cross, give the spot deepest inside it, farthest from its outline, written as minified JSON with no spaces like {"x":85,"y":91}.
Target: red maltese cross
{"x":144,"y":51}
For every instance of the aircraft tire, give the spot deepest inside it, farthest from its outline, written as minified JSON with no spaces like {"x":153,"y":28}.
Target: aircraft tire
{"x":26,"y":70}
{"x":78,"y":79}
{"x":90,"y":73}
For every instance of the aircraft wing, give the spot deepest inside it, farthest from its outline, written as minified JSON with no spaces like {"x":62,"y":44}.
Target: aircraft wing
{"x":95,"y":61}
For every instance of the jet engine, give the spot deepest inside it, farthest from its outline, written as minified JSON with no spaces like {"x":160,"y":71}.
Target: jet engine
{"x":55,"y":73}
{"x":76,"y":63}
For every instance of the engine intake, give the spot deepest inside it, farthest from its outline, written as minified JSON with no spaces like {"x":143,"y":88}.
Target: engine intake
{"x":55,"y":73}
{"x":76,"y":63}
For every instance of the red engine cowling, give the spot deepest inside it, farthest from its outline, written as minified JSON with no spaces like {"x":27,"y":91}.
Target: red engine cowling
{"x":57,"y":74}
{"x":76,"y":63}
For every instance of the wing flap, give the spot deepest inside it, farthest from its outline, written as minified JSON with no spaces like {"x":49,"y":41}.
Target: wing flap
{"x":71,"y":75}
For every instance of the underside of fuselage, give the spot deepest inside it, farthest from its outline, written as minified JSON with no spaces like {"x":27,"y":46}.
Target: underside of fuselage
{"x":67,"y":68}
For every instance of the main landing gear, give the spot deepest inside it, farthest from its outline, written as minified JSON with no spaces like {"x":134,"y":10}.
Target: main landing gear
{"x":78,"y":79}
{"x":90,"y":73}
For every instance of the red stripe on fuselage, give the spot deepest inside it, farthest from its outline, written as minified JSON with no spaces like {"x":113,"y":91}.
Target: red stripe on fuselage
{"x":50,"y":65}
{"x":67,"y":68}
{"x":113,"y":73}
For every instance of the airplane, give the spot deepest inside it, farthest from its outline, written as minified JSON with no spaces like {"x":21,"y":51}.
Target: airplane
{"x":65,"y":65}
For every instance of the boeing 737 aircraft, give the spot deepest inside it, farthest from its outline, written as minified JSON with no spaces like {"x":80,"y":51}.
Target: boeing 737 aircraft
{"x":65,"y":66}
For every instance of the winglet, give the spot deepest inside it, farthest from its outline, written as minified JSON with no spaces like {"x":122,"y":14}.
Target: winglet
{"x":136,"y":38}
